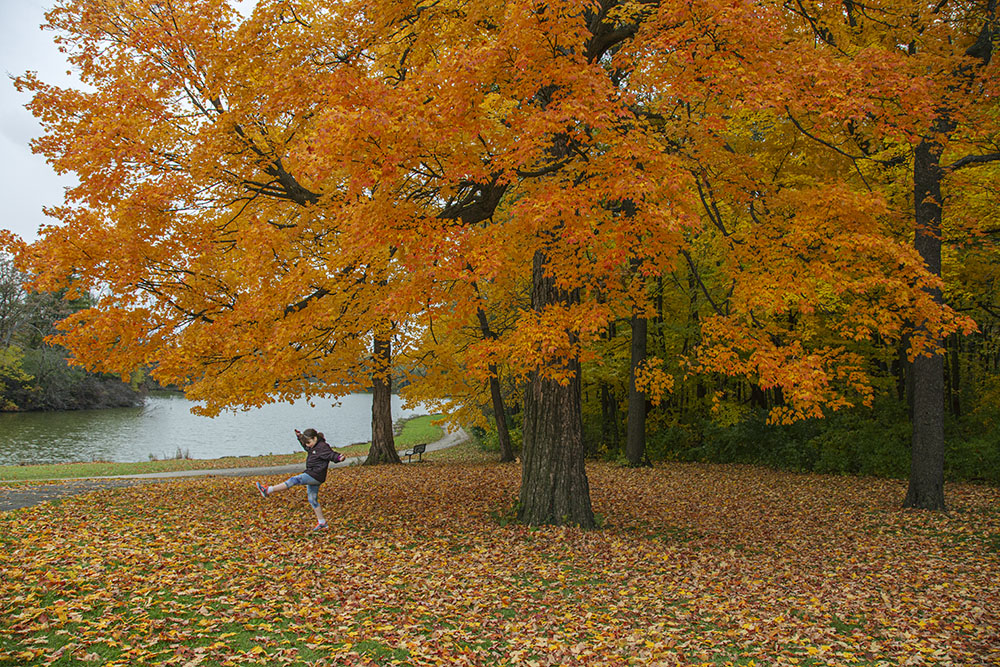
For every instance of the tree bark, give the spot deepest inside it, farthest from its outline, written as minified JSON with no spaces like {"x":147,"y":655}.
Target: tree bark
{"x":926,"y":489}
{"x":383,"y":449}
{"x":554,"y":486}
{"x":635,"y":434}
{"x":496,"y":396}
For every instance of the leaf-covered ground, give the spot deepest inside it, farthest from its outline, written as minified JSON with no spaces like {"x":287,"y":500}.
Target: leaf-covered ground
{"x":695,"y":565}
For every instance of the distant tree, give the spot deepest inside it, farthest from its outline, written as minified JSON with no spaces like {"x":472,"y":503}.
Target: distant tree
{"x":15,"y":384}
{"x":12,"y":306}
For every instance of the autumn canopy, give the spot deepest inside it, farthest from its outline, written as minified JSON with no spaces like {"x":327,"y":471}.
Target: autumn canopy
{"x":320,"y":196}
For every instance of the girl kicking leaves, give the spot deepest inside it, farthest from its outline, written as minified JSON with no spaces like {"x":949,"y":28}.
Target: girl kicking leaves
{"x":317,"y":462}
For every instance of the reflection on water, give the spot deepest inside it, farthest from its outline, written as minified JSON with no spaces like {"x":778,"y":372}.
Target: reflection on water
{"x":165,"y":425}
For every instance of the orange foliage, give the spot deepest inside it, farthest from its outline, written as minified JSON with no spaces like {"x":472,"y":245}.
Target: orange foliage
{"x":257,"y":197}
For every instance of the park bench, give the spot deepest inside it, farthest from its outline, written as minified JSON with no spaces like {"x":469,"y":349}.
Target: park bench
{"x":417,"y":450}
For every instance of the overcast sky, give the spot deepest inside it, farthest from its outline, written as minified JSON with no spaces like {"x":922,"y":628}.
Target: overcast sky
{"x":27,"y":183}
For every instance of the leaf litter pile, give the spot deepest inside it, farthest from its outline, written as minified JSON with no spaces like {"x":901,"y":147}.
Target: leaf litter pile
{"x":421,"y":565}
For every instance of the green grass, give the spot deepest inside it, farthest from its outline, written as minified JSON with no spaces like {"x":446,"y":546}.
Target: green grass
{"x":109,"y":468}
{"x":413,"y":431}
{"x":419,"y":430}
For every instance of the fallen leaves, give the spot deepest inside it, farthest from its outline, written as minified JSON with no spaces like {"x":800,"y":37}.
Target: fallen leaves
{"x":696,"y":565}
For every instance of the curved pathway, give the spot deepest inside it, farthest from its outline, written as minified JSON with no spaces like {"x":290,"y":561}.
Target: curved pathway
{"x":15,"y":495}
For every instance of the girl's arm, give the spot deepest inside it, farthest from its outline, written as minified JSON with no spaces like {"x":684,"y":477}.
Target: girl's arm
{"x":302,"y":439}
{"x":323,"y":451}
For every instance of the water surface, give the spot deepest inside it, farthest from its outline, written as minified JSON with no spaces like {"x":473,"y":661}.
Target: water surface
{"x":165,"y":425}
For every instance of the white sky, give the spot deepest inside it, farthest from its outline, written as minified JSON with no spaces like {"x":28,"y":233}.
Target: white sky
{"x":27,"y":182}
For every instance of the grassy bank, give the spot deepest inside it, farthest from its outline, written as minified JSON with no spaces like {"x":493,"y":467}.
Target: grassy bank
{"x":696,"y":564}
{"x":412,"y":431}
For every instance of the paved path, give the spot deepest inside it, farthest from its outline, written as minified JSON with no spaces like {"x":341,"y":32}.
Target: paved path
{"x":15,"y":495}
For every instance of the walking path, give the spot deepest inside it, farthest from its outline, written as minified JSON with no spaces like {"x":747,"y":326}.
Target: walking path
{"x":26,"y":494}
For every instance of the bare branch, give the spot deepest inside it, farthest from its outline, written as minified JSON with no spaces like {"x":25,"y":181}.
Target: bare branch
{"x":970,"y":160}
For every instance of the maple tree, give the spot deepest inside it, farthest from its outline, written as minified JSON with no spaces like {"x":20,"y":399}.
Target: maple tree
{"x":866,"y":116}
{"x":465,"y":337}
{"x":946,"y":123}
{"x":218,"y":268}
{"x":279,"y":205}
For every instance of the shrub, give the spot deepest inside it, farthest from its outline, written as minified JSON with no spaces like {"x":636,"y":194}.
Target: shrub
{"x":858,"y":441}
{"x":488,"y":440}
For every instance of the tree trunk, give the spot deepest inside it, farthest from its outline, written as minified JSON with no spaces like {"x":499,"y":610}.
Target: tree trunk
{"x":383,"y":449}
{"x":955,"y":376}
{"x":901,"y":368}
{"x":609,"y":418}
{"x":635,"y":438}
{"x":554,"y":486}
{"x":500,"y":415}
{"x":496,"y":396}
{"x":610,"y":431}
{"x":926,"y":488}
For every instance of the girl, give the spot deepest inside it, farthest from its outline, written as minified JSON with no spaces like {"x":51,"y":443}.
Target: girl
{"x":318,"y":460}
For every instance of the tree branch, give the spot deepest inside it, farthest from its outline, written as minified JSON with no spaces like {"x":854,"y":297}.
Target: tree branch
{"x":694,"y":270}
{"x":970,"y":160}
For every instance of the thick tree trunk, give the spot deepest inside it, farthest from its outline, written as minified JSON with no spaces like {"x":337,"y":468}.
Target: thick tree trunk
{"x":926,"y":488}
{"x":496,"y":396}
{"x":554,"y":486}
{"x":635,"y":434}
{"x":383,"y":449}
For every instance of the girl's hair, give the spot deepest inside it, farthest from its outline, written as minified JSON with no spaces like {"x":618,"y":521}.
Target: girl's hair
{"x":313,"y":433}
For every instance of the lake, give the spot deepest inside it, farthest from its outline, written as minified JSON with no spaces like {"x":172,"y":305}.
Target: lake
{"x":165,"y":425}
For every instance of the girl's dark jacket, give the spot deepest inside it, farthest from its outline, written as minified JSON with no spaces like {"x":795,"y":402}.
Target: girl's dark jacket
{"x":318,"y":460}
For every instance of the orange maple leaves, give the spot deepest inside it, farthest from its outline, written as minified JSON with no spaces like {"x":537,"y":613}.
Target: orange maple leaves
{"x":262,"y":195}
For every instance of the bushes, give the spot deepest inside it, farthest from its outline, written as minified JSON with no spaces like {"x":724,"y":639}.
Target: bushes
{"x":976,"y":459}
{"x":488,"y":440}
{"x":861,"y":441}
{"x":972,"y":447}
{"x":752,"y":440}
